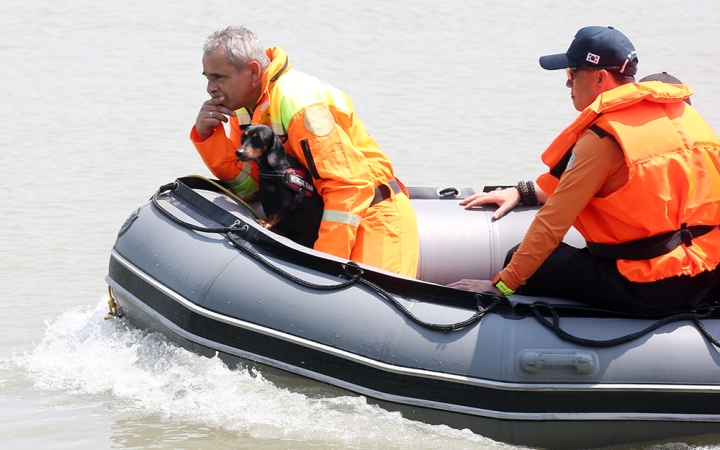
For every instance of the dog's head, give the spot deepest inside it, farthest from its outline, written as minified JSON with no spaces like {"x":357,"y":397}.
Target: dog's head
{"x":256,"y":140}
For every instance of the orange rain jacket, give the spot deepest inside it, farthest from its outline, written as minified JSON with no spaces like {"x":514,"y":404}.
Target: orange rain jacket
{"x":319,"y":127}
{"x":673,"y":159}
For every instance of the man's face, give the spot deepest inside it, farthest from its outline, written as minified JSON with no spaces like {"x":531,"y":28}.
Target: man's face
{"x":585,"y":86}
{"x":241,"y":89}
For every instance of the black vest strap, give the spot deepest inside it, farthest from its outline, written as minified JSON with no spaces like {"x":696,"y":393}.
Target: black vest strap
{"x":601,"y":133}
{"x":560,"y":167}
{"x":650,"y":247}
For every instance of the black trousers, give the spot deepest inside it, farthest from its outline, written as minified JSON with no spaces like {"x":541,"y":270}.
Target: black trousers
{"x":573,"y":273}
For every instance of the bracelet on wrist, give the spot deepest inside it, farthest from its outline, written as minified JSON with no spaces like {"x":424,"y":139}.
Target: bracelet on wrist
{"x":519,"y":193}
{"x":506,"y":291}
{"x":532,"y":194}
{"x":528,"y":196}
{"x":522,"y":187}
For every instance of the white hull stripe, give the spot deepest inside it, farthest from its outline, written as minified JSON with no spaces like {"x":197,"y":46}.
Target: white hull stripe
{"x":390,"y":368}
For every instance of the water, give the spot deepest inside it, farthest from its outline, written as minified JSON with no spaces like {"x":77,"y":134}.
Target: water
{"x":97,"y":102}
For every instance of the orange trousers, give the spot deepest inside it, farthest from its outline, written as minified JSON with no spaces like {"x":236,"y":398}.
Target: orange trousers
{"x":388,"y":237}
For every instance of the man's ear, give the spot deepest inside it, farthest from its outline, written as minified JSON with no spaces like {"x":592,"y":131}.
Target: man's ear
{"x":603,"y":77}
{"x":255,"y":70}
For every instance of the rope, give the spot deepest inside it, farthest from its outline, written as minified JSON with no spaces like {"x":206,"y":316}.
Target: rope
{"x":243,"y":245}
{"x":432,"y":326}
{"x":229,"y":193}
{"x":705,"y":332}
{"x":357,"y":278}
{"x":555,"y":326}
{"x":237,"y":226}
{"x":355,"y":272}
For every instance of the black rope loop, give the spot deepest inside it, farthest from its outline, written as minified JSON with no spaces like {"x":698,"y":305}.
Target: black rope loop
{"x":432,"y":326}
{"x":170,"y":187}
{"x":479,"y":299}
{"x":555,"y":326}
{"x":238,"y":226}
{"x":243,"y":245}
{"x":448,"y":192}
{"x":708,"y":310}
{"x":705,"y":332}
{"x":354,"y":270}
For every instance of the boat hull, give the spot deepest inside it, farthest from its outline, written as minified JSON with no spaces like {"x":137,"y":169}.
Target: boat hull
{"x":505,"y":376}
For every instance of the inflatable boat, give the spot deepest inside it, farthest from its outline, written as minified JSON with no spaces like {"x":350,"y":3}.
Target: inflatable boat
{"x":194,"y":264}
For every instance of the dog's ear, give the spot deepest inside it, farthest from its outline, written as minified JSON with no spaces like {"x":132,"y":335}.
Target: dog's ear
{"x":274,"y":156}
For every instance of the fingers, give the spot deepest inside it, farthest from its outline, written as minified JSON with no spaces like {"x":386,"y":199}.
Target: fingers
{"x":506,"y":200}
{"x":215,"y":105}
{"x":472,"y":285}
{"x":213,"y":111}
{"x":459,"y":284}
{"x":480,"y":198}
{"x":502,"y":209}
{"x":465,"y":201}
{"x":211,"y":114}
{"x":211,"y":117}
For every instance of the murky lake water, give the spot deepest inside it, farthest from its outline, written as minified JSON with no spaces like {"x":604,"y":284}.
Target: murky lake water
{"x":97,"y":102}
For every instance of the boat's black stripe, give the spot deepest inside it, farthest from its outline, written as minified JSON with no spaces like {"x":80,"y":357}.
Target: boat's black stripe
{"x":406,"y":385}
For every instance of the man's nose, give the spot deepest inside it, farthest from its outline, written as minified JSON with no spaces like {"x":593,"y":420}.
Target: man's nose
{"x":211,"y":87}
{"x":569,"y":84}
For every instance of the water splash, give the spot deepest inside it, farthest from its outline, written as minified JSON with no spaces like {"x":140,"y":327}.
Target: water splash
{"x":141,"y":375}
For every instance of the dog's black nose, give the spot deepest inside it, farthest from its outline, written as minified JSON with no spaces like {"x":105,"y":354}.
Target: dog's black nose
{"x":240,"y":154}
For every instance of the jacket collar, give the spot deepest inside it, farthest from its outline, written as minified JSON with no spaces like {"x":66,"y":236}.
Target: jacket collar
{"x":279,"y":64}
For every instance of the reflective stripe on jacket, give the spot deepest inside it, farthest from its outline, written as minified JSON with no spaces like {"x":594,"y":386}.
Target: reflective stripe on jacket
{"x":673,"y":159}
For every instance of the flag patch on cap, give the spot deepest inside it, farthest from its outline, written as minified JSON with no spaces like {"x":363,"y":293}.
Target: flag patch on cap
{"x":593,"y":58}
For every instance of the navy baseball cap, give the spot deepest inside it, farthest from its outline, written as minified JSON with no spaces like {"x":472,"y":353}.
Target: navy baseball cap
{"x":600,"y":47}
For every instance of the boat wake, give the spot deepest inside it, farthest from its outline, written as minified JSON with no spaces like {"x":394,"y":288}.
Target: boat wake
{"x":140,"y":376}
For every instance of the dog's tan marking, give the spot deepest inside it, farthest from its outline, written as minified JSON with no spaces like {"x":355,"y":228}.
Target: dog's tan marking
{"x":252,"y":152}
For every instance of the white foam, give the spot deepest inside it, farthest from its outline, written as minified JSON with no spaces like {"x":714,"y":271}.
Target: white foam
{"x":141,"y":374}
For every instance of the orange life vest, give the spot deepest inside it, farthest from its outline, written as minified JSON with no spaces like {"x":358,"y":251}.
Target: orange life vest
{"x":673,"y":160}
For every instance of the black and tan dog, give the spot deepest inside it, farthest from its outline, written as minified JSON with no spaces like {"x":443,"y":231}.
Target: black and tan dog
{"x":287,"y":194}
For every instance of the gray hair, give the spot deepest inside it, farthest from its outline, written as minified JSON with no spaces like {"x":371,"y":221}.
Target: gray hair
{"x":241,"y":44}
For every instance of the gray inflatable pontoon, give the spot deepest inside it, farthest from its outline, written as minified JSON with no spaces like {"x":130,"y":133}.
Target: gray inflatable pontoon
{"x":193,"y":264}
